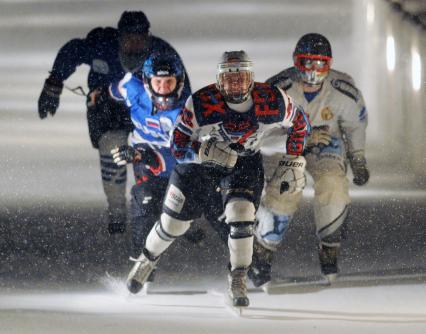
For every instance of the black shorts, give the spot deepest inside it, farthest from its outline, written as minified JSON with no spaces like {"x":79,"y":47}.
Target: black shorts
{"x":148,"y":193}
{"x":195,"y":189}
{"x":103,"y":117}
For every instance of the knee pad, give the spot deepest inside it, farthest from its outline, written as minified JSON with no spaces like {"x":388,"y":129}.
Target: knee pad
{"x":329,"y":221}
{"x":271,"y":228}
{"x":169,"y":228}
{"x":239,"y":210}
{"x":240,"y":244}
{"x":331,"y":189}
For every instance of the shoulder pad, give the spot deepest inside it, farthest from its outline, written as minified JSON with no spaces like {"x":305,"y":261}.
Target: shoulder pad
{"x":100,"y":33}
{"x":347,"y":88}
{"x":284,"y":79}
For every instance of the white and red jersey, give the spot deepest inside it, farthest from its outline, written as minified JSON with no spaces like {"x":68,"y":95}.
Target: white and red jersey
{"x":206,"y":115}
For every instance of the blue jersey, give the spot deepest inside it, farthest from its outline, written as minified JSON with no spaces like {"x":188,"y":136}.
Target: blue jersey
{"x":152,"y":127}
{"x":99,"y":50}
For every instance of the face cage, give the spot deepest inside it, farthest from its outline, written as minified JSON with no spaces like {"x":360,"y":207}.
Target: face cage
{"x":166,"y":101}
{"x":231,"y":97}
{"x":312,"y":75}
{"x":133,"y":60}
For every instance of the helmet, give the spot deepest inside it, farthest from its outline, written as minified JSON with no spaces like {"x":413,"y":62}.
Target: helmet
{"x":134,"y":40}
{"x":312,"y":57}
{"x":235,"y":76}
{"x":164,"y":65}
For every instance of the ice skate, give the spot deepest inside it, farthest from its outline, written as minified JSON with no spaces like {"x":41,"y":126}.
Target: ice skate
{"x":116,"y":221}
{"x":141,"y":272}
{"x":328,"y":262}
{"x":260,"y":269}
{"x":237,"y":289}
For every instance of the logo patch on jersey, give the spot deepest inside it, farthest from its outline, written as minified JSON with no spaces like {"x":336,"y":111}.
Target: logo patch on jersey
{"x":174,"y":199}
{"x":153,"y":123}
{"x":326,"y":114}
{"x":100,"y":66}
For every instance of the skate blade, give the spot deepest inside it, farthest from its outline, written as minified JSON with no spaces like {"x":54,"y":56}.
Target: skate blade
{"x":145,"y":289}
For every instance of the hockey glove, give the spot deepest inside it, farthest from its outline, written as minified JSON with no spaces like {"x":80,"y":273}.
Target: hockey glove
{"x":126,"y":154}
{"x":319,"y":136}
{"x":48,"y":102}
{"x":289,"y":176}
{"x":359,"y":167}
{"x":215,"y":153}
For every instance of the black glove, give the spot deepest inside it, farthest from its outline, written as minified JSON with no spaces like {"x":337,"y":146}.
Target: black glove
{"x":98,"y":97}
{"x":48,"y":102}
{"x":359,"y":167}
{"x":126,"y":154}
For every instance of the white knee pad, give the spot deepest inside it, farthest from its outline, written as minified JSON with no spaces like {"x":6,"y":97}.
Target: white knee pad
{"x":174,"y":227}
{"x":270,"y":229}
{"x":164,"y":233}
{"x":331,"y":201}
{"x":239,"y":210}
{"x":240,"y":252}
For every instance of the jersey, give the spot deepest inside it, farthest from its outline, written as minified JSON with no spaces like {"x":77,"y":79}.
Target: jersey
{"x":152,"y":127}
{"x":339,"y":105}
{"x":100,"y":50}
{"x":206,"y":115}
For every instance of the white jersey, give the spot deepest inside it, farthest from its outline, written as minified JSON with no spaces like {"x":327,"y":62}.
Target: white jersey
{"x":338,"y":105}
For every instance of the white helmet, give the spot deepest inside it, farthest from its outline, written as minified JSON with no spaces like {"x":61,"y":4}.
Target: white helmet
{"x":235,"y":76}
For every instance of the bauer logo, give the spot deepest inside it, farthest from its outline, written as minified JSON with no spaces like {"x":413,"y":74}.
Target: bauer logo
{"x":294,"y":164}
{"x":174,"y":199}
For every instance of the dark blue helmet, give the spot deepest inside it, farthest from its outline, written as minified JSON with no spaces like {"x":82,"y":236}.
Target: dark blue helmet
{"x":313,"y":44}
{"x":164,"y":65}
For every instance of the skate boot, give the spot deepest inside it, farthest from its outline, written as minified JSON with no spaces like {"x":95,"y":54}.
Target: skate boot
{"x":328,"y":261}
{"x":237,"y":288}
{"x":116,"y":221}
{"x":141,"y":271}
{"x":260,"y":269}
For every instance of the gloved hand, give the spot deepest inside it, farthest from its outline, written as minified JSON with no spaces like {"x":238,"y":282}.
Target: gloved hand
{"x":359,"y":167}
{"x":98,"y":97}
{"x":48,"y":102}
{"x":127,"y":154}
{"x":319,"y":136}
{"x":289,"y":176}
{"x":216,"y":153}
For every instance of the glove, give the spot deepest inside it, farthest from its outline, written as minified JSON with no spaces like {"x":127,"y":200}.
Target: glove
{"x":97,"y":97}
{"x":359,"y":167}
{"x":319,"y":136}
{"x":127,"y":154}
{"x":289,"y":176}
{"x":48,"y":102}
{"x":216,"y":153}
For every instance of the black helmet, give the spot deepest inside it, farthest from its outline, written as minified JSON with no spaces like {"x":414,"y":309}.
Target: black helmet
{"x":134,"y":40}
{"x":312,"y":58}
{"x":313,"y":44}
{"x":164,"y":65}
{"x":133,"y":22}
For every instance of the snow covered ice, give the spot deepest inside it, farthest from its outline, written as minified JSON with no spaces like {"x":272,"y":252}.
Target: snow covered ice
{"x":60,"y":272}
